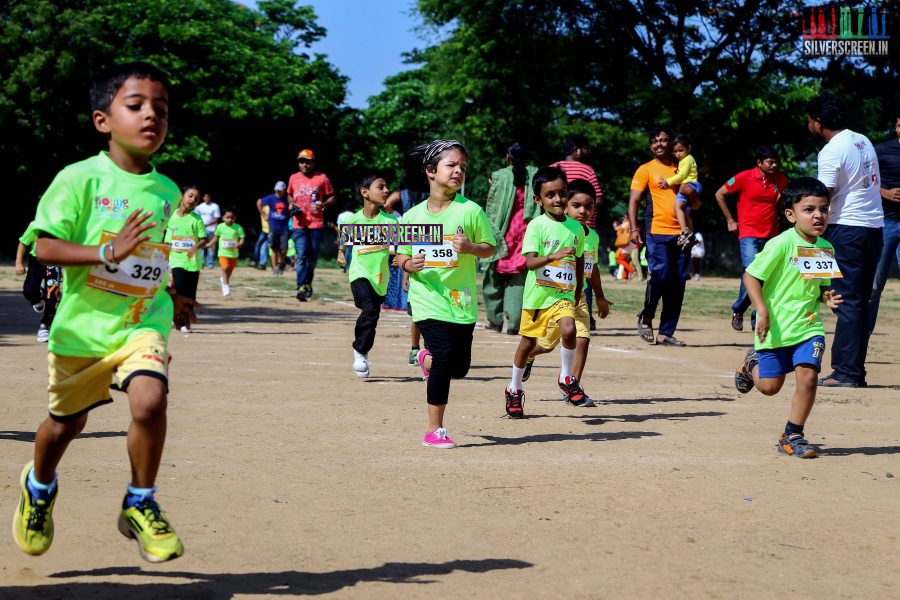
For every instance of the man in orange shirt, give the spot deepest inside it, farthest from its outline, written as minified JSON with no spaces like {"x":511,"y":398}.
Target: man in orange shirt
{"x":669,"y":267}
{"x":310,"y":193}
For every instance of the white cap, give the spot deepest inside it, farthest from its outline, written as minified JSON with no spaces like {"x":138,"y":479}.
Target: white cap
{"x":280,"y":186}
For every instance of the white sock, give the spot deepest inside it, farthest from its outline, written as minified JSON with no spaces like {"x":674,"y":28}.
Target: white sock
{"x":516,"y":383}
{"x":568,"y":358}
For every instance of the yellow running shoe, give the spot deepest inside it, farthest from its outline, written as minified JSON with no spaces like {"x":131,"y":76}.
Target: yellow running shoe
{"x":148,"y":524}
{"x":33,"y":523}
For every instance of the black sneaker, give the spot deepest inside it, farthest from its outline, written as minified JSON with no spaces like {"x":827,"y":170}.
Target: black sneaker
{"x":527,"y":373}
{"x":301,"y":294}
{"x":575,"y":396}
{"x":737,"y":321}
{"x":743,"y":377}
{"x":515,"y":404}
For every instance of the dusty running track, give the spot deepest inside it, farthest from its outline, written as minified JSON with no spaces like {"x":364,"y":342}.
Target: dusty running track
{"x":287,"y":476}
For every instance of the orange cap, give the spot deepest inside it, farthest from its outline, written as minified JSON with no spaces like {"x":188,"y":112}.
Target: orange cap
{"x":307,"y":154}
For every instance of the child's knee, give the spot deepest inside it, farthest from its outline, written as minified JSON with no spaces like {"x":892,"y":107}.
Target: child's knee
{"x":147,"y":397}
{"x":770,"y":386}
{"x":64,"y":431}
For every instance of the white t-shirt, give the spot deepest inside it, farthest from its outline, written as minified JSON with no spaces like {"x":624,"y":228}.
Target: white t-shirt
{"x":848,"y":164}
{"x":344,"y":216}
{"x":698,"y":250}
{"x":209,"y":212}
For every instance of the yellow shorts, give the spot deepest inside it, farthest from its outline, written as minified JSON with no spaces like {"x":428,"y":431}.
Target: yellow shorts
{"x":550,"y":339}
{"x":78,"y":384}
{"x":537,"y":322}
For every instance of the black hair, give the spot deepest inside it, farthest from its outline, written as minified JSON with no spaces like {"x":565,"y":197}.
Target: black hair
{"x":763,"y":152}
{"x":581,"y":186}
{"x":573,"y":143}
{"x":683,"y":139}
{"x":367,"y":180}
{"x":517,"y":155}
{"x":185,"y":188}
{"x":829,"y":110}
{"x":232,"y":210}
{"x":430,"y":154}
{"x":107,"y":83}
{"x":658,"y":129}
{"x":800,"y":187}
{"x":546,"y":175}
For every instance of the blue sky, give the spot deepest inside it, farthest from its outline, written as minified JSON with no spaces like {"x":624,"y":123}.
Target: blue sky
{"x":365,"y":40}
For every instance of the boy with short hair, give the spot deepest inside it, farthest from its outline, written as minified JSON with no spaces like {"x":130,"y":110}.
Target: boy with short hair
{"x":104,"y":220}
{"x":785,"y":283}
{"x":582,"y":198}
{"x":553,"y":247}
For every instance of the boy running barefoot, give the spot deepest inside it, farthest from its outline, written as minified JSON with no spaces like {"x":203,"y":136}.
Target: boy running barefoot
{"x":786,"y":282}
{"x":369,"y":272}
{"x":104,"y":220}
{"x":582,"y":200}
{"x":553,"y":249}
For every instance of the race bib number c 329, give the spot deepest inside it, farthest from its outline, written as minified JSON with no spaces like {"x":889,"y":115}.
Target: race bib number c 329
{"x":139,"y":274}
{"x":817,"y":263}
{"x":559,"y":274}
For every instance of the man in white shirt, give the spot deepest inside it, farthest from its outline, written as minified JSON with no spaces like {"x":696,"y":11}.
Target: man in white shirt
{"x":211,"y":214}
{"x":848,"y":167}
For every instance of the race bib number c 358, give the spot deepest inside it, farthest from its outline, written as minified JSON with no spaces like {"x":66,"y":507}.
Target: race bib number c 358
{"x":440,"y":256}
{"x":559,"y":274}
{"x":817,"y":263}
{"x":138,"y":275}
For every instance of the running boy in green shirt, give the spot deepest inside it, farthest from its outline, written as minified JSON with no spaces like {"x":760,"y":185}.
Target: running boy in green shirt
{"x":786,"y":282}
{"x":553,"y":249}
{"x":230,"y":237}
{"x":369,"y":272}
{"x":104,"y":220}
{"x":582,"y":199}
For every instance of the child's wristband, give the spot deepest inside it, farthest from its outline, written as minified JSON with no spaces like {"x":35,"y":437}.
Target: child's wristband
{"x":109,"y":263}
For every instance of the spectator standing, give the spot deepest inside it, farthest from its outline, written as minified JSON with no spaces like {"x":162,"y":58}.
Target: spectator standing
{"x":759,"y":191}
{"x":848,"y":167}
{"x":889,"y":165}
{"x":279,"y":225}
{"x":211,"y":214}
{"x":310,"y":194}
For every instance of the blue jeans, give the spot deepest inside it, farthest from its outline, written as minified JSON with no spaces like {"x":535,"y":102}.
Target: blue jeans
{"x":261,"y":251}
{"x":209,"y":252}
{"x":669,"y":269}
{"x":857,"y":250}
{"x":889,"y":253}
{"x":750,"y":247}
{"x":306,"y":242}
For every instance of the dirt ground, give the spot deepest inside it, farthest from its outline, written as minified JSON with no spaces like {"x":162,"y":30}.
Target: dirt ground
{"x":287,"y":476}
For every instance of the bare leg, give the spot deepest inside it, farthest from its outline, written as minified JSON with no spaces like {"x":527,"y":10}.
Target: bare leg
{"x":436,"y":415}
{"x":526,"y":348}
{"x":414,"y":334}
{"x":804,"y":394}
{"x":50,"y":443}
{"x":581,"y":351}
{"x":147,"y":432}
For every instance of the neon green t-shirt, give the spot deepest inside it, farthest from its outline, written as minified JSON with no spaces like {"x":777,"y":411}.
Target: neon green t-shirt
{"x":793,"y":302}
{"x":591,"y":254}
{"x":229,"y":236}
{"x":447,"y":293}
{"x":96,"y":316}
{"x":183,"y":233}
{"x":370,"y":262}
{"x":611,"y":257}
{"x":548,"y":285}
{"x":27,"y":239}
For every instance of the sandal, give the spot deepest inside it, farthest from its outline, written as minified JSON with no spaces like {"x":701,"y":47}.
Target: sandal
{"x":645,"y":330}
{"x":668,"y":340}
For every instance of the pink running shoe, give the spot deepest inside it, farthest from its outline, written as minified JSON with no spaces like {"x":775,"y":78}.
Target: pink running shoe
{"x":438,"y":439}
{"x":425,"y":372}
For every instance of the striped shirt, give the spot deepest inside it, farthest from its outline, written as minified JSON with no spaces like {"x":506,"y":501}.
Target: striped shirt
{"x":578,"y":170}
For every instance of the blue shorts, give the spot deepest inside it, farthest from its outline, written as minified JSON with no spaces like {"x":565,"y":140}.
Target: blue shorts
{"x":682,"y":199}
{"x":776,"y":362}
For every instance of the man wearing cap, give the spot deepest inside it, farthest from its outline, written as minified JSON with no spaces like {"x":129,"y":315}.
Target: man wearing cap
{"x":279,"y":225}
{"x":309,"y":193}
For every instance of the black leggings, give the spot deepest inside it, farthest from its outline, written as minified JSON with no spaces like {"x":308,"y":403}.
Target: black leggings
{"x":43,"y":283}
{"x":450,"y":345}
{"x":369,"y":304}
{"x":185,"y":282}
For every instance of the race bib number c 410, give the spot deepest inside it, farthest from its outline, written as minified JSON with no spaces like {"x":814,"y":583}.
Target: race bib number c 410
{"x":182,"y":243}
{"x":560,"y":274}
{"x":817,"y":263}
{"x":139,"y":274}
{"x":440,"y":256}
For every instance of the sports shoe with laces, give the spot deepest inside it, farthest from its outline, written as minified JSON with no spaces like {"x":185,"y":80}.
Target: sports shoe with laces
{"x":527,"y":372}
{"x":737,"y":321}
{"x":743,"y":377}
{"x":795,"y":445}
{"x":39,"y":307}
{"x":413,"y":357}
{"x":573,"y":393}
{"x":438,"y":439}
{"x":148,"y":524}
{"x":33,"y":523}
{"x":515,"y":403}
{"x":360,"y":364}
{"x":43,"y":334}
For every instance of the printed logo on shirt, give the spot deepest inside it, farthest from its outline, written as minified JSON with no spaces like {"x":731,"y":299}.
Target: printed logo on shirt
{"x":111,"y":207}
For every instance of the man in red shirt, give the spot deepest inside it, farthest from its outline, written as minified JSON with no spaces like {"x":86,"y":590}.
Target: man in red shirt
{"x":310,"y":193}
{"x":759,"y":190}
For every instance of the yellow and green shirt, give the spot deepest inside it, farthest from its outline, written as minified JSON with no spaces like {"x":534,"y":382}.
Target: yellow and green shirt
{"x":544,"y":236}
{"x":370,"y":262}
{"x":183,"y":233}
{"x":229,"y":236}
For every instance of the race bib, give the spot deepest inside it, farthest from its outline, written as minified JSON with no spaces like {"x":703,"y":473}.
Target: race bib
{"x":139,"y":274}
{"x":229,"y":244}
{"x":440,"y":256}
{"x":817,"y":263}
{"x":560,"y":274}
{"x":182,"y":243}
{"x":588,"y":265}
{"x":370,"y":249}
